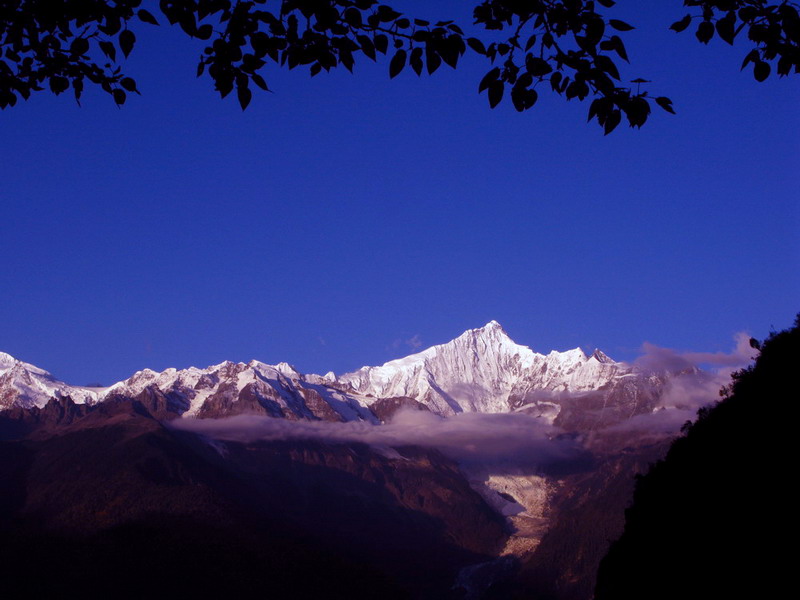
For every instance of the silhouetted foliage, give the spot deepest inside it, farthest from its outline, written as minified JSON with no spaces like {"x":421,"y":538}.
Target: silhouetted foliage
{"x":706,"y":522}
{"x":567,"y":46}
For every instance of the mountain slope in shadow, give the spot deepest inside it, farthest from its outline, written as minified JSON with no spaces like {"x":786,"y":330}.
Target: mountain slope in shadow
{"x":706,"y":521}
{"x":113,"y":501}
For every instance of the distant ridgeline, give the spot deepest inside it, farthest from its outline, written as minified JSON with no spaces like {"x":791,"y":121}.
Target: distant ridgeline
{"x":717,"y":518}
{"x":482,"y":371}
{"x":476,"y":468}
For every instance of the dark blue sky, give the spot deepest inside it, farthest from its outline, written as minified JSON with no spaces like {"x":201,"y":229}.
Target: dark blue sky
{"x":342,"y":220}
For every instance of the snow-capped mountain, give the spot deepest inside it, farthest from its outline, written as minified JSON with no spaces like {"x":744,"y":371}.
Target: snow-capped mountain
{"x":233,"y":388}
{"x":482,"y":370}
{"x":26,"y":386}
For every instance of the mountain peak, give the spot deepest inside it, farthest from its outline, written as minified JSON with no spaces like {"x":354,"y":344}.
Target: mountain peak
{"x":492,"y":326}
{"x":601,"y":356}
{"x":492,"y":329}
{"x":6,"y":360}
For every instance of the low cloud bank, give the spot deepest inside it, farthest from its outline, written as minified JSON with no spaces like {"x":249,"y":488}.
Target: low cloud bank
{"x":516,"y":439}
{"x":510,"y":438}
{"x":692,"y":387}
{"x":697,"y":378}
{"x":657,"y":358}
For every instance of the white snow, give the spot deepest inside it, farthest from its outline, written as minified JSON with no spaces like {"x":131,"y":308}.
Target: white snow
{"x":482,"y":370}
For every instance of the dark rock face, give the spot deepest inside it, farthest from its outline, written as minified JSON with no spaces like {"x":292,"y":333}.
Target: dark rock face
{"x":164,"y":406}
{"x":17,"y":422}
{"x":706,"y":521}
{"x":227,"y":402}
{"x":613,"y":403}
{"x":318,"y":407}
{"x":385,"y":408}
{"x":113,"y":502}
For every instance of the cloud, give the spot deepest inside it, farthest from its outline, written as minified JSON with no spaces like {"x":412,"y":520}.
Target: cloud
{"x":415,"y":342}
{"x":657,"y":358}
{"x":696,"y":380}
{"x":516,"y":439}
{"x":693,"y":390}
{"x":742,"y":354}
{"x":663,"y":423}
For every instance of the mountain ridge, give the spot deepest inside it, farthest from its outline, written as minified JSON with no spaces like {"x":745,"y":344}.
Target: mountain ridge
{"x":537,"y":470}
{"x":482,"y":370}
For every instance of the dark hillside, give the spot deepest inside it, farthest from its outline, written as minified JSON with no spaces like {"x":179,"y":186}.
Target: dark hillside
{"x":709,"y":520}
{"x":113,"y":503}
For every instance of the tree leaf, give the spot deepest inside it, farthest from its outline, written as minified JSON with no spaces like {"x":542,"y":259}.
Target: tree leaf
{"x":476,"y":45}
{"x":353,"y":17}
{"x":126,"y":41}
{"x":79,"y":46}
{"x":77,"y":86}
{"x":705,"y":31}
{"x":367,"y":47}
{"x":58,"y":84}
{"x":488,"y":79}
{"x":679,"y":26}
{"x":619,"y":47}
{"x":146,"y":17}
{"x":415,"y":60}
{"x":204,"y":32}
{"x":613,"y":119}
{"x":244,"y":94}
{"x":604,"y":63}
{"x":496,"y":89}
{"x":119,"y":96}
{"x":726,"y":28}
{"x":536,"y":66}
{"x":381,"y":43}
{"x":665,"y":103}
{"x":637,"y":111}
{"x":594,"y":108}
{"x":397,"y":63}
{"x":555,"y":81}
{"x":752,"y":56}
{"x":432,"y":59}
{"x":595,"y":29}
{"x":128,"y":83}
{"x":108,"y":49}
{"x":620,"y":25}
{"x":761,"y":70}
{"x":259,"y":81}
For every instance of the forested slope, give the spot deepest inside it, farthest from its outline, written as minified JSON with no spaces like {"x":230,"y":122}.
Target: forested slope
{"x":712,"y":519}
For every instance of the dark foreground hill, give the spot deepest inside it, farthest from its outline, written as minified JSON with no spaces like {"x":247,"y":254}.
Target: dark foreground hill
{"x":716,"y":518}
{"x":118,"y":504}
